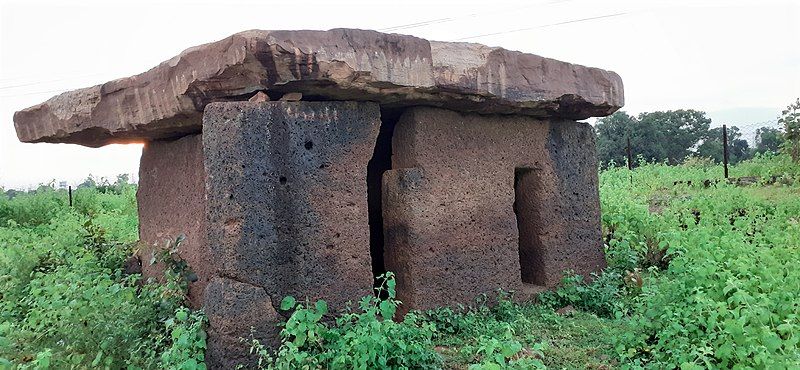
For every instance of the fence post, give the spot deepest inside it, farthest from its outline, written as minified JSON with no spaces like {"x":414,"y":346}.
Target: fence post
{"x":725,"y":149}
{"x":70,"y":196}
{"x":628,"y":152}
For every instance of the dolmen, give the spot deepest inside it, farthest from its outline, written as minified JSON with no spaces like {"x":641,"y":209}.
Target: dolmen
{"x":306,"y":163}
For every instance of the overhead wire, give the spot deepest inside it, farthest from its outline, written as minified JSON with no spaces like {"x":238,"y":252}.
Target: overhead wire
{"x":542,"y":26}
{"x":36,"y":93}
{"x":41,"y":82}
{"x":388,"y":29}
{"x":471,"y":15}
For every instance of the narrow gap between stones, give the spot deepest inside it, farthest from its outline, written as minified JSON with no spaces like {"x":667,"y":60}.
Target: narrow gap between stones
{"x":380,"y":162}
{"x":526,"y":189}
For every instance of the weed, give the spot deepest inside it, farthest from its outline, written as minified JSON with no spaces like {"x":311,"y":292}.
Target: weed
{"x":366,"y":339}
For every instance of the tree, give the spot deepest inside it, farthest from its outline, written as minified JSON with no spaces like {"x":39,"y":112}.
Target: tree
{"x":611,"y":137}
{"x":790,"y":118}
{"x":679,"y":131}
{"x":738,"y":148}
{"x":122,"y":180}
{"x":657,"y":136}
{"x":768,"y":140}
{"x":88,"y":183}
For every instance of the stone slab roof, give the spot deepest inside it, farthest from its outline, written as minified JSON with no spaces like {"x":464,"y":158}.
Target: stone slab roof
{"x":340,"y":64}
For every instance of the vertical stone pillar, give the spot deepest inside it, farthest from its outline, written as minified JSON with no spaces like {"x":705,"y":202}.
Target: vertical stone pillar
{"x":452,"y":227}
{"x":572,"y":238}
{"x":287,"y":210}
{"x":172,"y":201}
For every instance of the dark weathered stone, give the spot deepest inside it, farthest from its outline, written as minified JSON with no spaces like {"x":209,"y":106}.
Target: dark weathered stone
{"x":172,"y":201}
{"x":340,"y":64}
{"x":287,"y":196}
{"x":236,"y":313}
{"x":453,"y":230}
{"x":475,"y":179}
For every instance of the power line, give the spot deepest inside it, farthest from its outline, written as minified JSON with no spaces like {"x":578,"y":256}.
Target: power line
{"x":36,"y":93}
{"x":757,"y":125}
{"x":389,"y":29}
{"x":31,"y":84}
{"x":423,"y":23}
{"x":542,"y":26}
{"x":471,"y":15}
{"x":45,"y":81}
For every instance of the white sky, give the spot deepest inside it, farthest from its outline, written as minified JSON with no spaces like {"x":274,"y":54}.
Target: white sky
{"x":737,"y":60}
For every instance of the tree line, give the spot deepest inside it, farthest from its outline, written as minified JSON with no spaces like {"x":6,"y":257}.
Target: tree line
{"x":673,"y":136}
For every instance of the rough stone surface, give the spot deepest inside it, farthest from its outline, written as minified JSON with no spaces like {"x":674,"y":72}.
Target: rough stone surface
{"x":340,"y":64}
{"x":294,"y":96}
{"x":171,"y":198}
{"x":287,"y":196}
{"x":235,"y":310}
{"x":452,"y":228}
{"x":259,"y":97}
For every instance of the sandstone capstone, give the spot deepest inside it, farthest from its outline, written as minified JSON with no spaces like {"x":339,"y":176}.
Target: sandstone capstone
{"x":341,"y":64}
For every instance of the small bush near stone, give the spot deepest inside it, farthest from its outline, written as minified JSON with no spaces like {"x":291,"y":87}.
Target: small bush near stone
{"x":65,"y":301}
{"x":365,"y":339}
{"x":188,"y":336}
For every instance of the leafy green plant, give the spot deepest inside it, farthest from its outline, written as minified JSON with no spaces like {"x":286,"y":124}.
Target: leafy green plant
{"x":790,"y":119}
{"x":177,"y":274}
{"x":607,"y":295}
{"x":722,"y":301}
{"x":188,"y":336}
{"x":64,"y":299}
{"x":504,"y":353}
{"x":366,"y":339}
{"x":700,"y":275}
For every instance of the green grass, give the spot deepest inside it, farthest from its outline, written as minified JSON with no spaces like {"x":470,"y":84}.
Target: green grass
{"x":579,"y":341}
{"x":699,"y":277}
{"x":724,"y":301}
{"x":574,"y":340}
{"x":65,"y":301}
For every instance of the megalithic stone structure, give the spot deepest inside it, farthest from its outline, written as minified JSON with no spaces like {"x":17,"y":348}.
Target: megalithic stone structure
{"x":478,"y":203}
{"x":460,"y":167}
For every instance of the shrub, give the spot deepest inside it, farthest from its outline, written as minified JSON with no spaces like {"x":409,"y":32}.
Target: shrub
{"x":490,"y":353}
{"x":723,"y":301}
{"x":367,"y":339}
{"x":188,"y":336}
{"x":607,"y":295}
{"x":32,"y":208}
{"x":64,"y":299}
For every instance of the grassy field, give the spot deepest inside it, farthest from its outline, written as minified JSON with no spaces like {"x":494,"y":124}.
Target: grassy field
{"x":702,"y":274}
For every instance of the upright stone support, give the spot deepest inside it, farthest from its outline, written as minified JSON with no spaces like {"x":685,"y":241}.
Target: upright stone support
{"x":287,"y":206}
{"x":453,"y":230}
{"x":172,"y":201}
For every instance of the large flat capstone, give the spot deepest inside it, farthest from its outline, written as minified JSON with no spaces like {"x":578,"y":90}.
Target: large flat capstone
{"x":341,"y":64}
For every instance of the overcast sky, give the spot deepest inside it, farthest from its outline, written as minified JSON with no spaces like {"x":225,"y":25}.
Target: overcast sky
{"x":737,"y":60}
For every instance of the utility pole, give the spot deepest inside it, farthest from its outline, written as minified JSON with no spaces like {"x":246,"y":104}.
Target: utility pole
{"x":630,"y":157}
{"x":725,"y":149}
